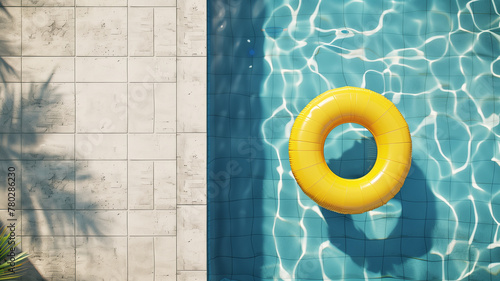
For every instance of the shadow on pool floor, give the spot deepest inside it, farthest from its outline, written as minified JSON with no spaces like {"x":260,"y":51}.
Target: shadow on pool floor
{"x":384,"y":240}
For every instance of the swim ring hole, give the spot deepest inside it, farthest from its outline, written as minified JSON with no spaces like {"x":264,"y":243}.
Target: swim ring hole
{"x":350,"y":151}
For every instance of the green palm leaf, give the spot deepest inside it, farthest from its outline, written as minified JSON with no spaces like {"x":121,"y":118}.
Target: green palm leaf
{"x":10,"y":266}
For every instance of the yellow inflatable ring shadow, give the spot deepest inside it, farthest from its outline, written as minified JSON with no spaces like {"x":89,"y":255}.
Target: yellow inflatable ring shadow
{"x":306,"y":146}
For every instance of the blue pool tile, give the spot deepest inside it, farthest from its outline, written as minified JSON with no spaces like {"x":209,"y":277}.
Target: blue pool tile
{"x":459,"y":192}
{"x":221,"y":246}
{"x":415,"y":190}
{"x":415,"y":5}
{"x":242,"y":247}
{"x":224,"y":231}
{"x":218,"y":190}
{"x":483,"y":171}
{"x":377,"y":248}
{"x":221,"y":104}
{"x":391,"y":247}
{"x":486,"y":44}
{"x":309,"y":268}
{"x":269,"y":269}
{"x":240,"y":227}
{"x":220,"y":210}
{"x":414,"y":228}
{"x":355,"y":247}
{"x":239,"y":168}
{"x":242,"y":208}
{"x":245,"y":148}
{"x":291,"y":249}
{"x":219,"y":126}
{"x":243,"y":33}
{"x":266,"y":190}
{"x":393,"y":265}
{"x":238,"y":127}
{"x":263,"y":230}
{"x":482,"y":7}
{"x":259,"y":167}
{"x":224,"y":266}
{"x":439,"y":23}
{"x":220,"y":147}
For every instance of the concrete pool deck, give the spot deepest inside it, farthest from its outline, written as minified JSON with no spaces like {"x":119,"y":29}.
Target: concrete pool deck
{"x":104,"y":121}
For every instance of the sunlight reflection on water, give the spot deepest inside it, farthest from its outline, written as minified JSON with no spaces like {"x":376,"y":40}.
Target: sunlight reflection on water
{"x":439,"y":63}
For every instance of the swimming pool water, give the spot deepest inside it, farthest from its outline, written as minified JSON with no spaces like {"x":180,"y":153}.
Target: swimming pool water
{"x":438,"y":61}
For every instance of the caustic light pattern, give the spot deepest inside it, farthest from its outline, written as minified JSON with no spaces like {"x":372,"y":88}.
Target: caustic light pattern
{"x":439,"y":63}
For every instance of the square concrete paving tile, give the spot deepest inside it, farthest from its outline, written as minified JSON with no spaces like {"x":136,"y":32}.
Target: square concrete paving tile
{"x":51,"y":256}
{"x":101,"y":258}
{"x":48,"y":108}
{"x":101,"y":107}
{"x":48,"y":31}
{"x":101,"y":31}
{"x":48,"y":185}
{"x":101,"y":185}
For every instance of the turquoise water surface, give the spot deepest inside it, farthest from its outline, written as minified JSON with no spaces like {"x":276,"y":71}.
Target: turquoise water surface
{"x":437,"y":61}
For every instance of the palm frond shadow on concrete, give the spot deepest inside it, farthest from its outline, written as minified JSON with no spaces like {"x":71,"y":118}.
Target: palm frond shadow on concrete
{"x":49,"y":179}
{"x":45,"y":181}
{"x":6,"y":70}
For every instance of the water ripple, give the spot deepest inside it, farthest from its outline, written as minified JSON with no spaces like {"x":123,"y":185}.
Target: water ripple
{"x":439,"y":63}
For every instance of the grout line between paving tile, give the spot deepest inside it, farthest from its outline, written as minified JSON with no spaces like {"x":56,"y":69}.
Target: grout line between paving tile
{"x":176,"y":137}
{"x":127,"y":143}
{"x":74,"y":137}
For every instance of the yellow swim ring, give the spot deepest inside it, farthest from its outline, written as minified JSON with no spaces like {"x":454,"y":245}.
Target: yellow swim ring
{"x":306,"y":146}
